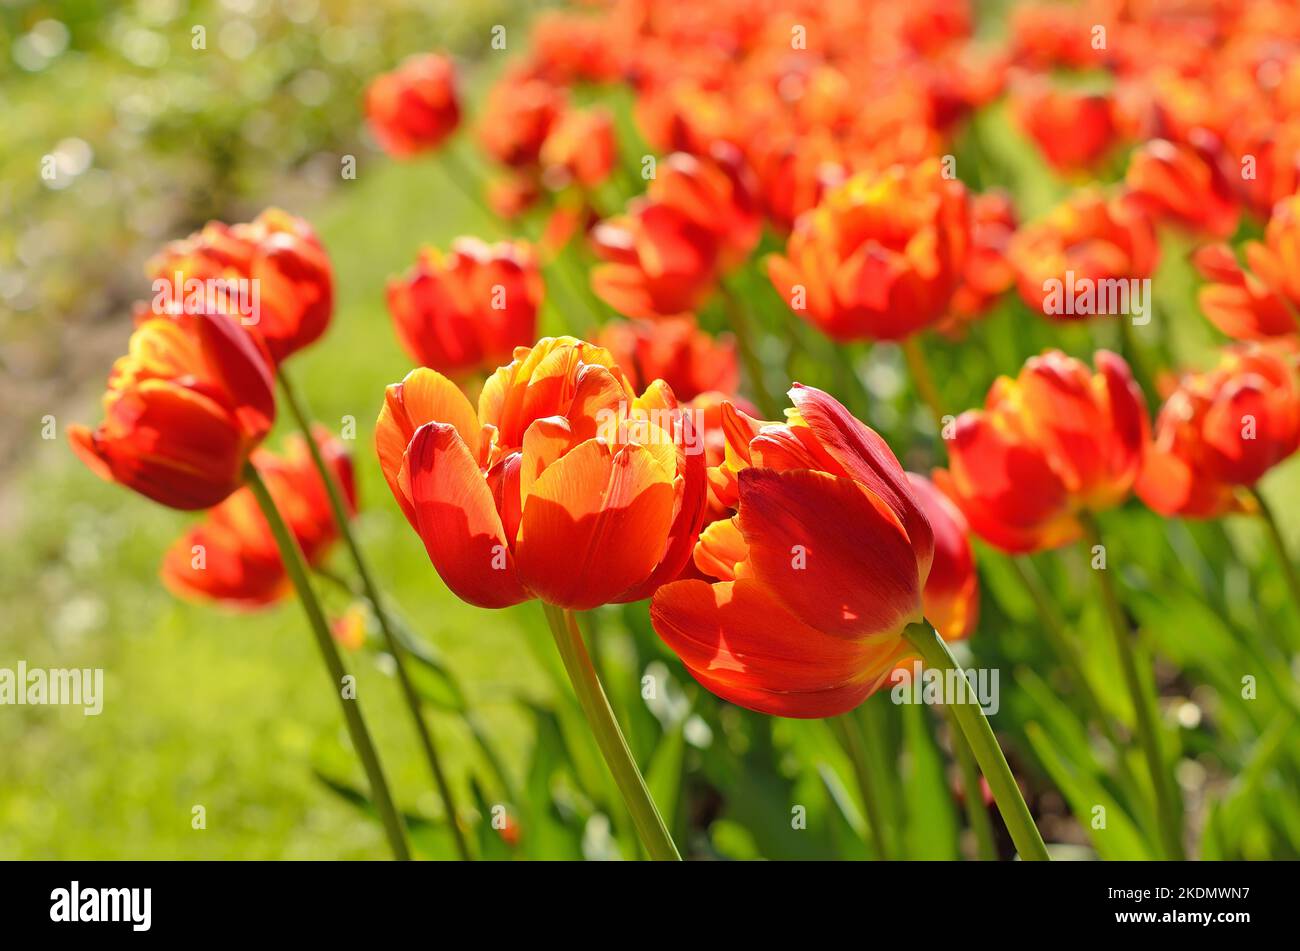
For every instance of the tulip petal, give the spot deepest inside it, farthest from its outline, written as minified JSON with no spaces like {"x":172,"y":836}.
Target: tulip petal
{"x":741,"y":642}
{"x":831,"y":550}
{"x":457,"y":520}
{"x":595,"y":524}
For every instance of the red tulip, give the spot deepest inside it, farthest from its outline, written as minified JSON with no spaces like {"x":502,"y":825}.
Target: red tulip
{"x":184,"y":409}
{"x":880,"y":257}
{"x":231,"y":556}
{"x":1264,"y":301}
{"x":1184,"y":184}
{"x":520,"y":112}
{"x":579,"y":149}
{"x":564,"y":485}
{"x":1056,"y":440}
{"x":467,"y":310}
{"x":1088,"y":238}
{"x":415,"y":107}
{"x":1074,"y":130}
{"x":675,"y":351}
{"x":952,"y":590}
{"x":286,"y":271}
{"x":821,"y":569}
{"x":988,"y":273}
{"x":1221,"y":430}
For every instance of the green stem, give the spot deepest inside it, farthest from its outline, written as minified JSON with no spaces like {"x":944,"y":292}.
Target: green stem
{"x":849,"y":733}
{"x":1168,"y":811}
{"x":743,"y":327}
{"x":600,"y":717}
{"x":339,"y":509}
{"x":975,"y":727}
{"x":977,"y":813}
{"x":1279,"y":546}
{"x":296,"y":568}
{"x":922,"y":379}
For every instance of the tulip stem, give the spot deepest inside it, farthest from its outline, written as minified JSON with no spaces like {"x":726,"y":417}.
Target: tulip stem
{"x":391,"y":640}
{"x":613,"y":747}
{"x":1168,"y":810}
{"x":849,"y":732}
{"x":922,"y":379}
{"x":1279,"y":545}
{"x":977,"y":813}
{"x":975,"y":727}
{"x":743,"y":327}
{"x":296,"y":568}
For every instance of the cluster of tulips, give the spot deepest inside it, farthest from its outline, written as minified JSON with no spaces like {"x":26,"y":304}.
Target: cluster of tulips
{"x":787,"y":557}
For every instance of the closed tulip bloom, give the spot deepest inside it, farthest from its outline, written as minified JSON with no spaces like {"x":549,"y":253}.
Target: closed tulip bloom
{"x":415,"y":107}
{"x":1056,"y":440}
{"x":952,"y":590}
{"x":1072,"y":129}
{"x":564,"y":485}
{"x":1089,"y":237}
{"x":676,"y":351}
{"x":1222,"y":430}
{"x":1261,"y":300}
{"x":820,"y":570}
{"x":880,"y":257}
{"x":988,"y":273}
{"x":231,"y":557}
{"x":184,"y":409}
{"x":289,"y":277}
{"x":1184,"y":184}
{"x":466,"y":311}
{"x":580,"y":149}
{"x":716,"y":191}
{"x":519,"y":114}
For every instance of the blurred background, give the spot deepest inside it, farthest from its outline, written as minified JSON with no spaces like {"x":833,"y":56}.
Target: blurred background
{"x":153,"y":138}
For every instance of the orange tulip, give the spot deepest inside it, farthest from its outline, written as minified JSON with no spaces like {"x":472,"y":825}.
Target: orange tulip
{"x":1220,"y":430}
{"x":467,"y":310}
{"x":820,"y":570}
{"x":1072,"y":129}
{"x":1184,"y":184}
{"x":698,"y":218}
{"x":288,"y":278}
{"x":231,"y":557}
{"x":1263,"y":302}
{"x":1087,"y":238}
{"x":184,"y":409}
{"x":564,"y":485}
{"x":880,"y":257}
{"x":415,"y":107}
{"x":675,"y":351}
{"x":1056,"y":440}
{"x":952,"y":590}
{"x":988,"y":273}
{"x":520,"y":112}
{"x":579,"y":149}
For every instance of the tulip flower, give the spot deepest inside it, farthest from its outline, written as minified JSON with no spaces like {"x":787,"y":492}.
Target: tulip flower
{"x":880,"y":257}
{"x":465,"y":311}
{"x":988,"y":272}
{"x":231,"y":557}
{"x":823,"y":566}
{"x":698,"y":219}
{"x":1185,"y":184}
{"x":519,"y":114}
{"x":274,"y":262}
{"x":1081,"y":243}
{"x":1264,"y":301}
{"x":951,"y":595}
{"x":580,"y":149}
{"x":675,"y":351}
{"x":565,"y":485}
{"x":185,"y":408}
{"x":1056,"y":441}
{"x":415,"y":107}
{"x":1221,"y":431}
{"x":1072,"y":129}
